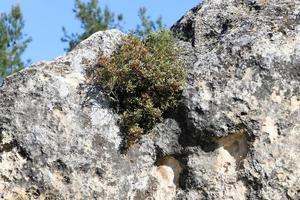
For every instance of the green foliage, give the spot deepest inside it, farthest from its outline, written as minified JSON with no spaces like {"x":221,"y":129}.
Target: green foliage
{"x":92,"y":19}
{"x":144,"y":79}
{"x":147,"y":25}
{"x":12,"y":41}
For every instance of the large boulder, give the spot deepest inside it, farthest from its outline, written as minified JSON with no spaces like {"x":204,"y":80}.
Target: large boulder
{"x":241,"y":112}
{"x":59,"y":139}
{"x":235,"y":135}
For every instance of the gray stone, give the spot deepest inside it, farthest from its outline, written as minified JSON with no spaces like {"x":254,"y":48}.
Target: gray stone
{"x":59,"y":139}
{"x":242,"y":102}
{"x":235,"y":134}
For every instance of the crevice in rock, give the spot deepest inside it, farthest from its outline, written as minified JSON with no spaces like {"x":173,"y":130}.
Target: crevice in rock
{"x":164,"y":180}
{"x":252,"y":183}
{"x":239,"y":146}
{"x":236,"y":144}
{"x":172,"y":163}
{"x":177,"y":162}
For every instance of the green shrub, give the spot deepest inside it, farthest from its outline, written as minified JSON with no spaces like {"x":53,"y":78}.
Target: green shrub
{"x":144,"y":78}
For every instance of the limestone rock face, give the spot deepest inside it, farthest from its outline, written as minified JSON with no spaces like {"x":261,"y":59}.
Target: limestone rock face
{"x":241,"y":112}
{"x":234,"y":136}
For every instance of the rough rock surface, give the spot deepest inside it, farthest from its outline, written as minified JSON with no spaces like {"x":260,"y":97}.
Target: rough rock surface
{"x":235,"y":135}
{"x":243,"y":98}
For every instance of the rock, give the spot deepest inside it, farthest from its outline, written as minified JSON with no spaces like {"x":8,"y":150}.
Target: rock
{"x":1,"y":81}
{"x":241,"y":110}
{"x":55,"y":129}
{"x":234,"y":135}
{"x":59,"y":139}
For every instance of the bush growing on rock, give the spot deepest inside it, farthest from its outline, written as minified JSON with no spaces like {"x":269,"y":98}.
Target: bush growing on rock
{"x":144,"y":79}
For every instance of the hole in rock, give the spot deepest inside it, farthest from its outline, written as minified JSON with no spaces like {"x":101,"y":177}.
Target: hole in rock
{"x":169,"y":169}
{"x":236,"y":144}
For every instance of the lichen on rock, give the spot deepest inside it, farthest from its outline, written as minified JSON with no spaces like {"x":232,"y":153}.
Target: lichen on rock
{"x":235,"y":134}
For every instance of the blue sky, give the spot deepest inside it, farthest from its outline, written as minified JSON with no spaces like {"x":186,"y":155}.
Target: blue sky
{"x":44,"y":20}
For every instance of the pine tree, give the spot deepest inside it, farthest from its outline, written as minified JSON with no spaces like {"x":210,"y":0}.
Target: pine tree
{"x":12,"y":41}
{"x":147,"y":25}
{"x":92,"y":19}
